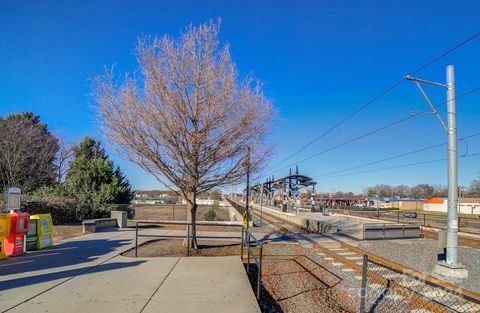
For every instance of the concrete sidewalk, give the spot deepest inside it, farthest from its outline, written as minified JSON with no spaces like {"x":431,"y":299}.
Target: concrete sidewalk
{"x":88,"y":274}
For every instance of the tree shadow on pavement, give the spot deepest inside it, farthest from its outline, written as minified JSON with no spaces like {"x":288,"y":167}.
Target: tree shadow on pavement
{"x":37,"y":279}
{"x":65,"y":254}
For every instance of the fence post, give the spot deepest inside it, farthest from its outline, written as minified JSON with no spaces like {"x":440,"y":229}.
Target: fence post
{"x":259,"y":276}
{"x":136,"y":239}
{"x":398,"y":216}
{"x":424,"y":219}
{"x":459,"y":223}
{"x":241,"y":245}
{"x":188,"y":239}
{"x":363,"y":291}
{"x":173,"y":212}
{"x":248,"y":253}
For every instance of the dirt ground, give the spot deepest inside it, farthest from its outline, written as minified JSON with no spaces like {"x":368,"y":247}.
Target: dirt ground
{"x":174,"y":248}
{"x":292,"y":281}
{"x":61,"y":232}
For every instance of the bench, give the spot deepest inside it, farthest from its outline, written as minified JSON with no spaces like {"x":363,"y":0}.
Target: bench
{"x":91,"y":226}
{"x":372,"y":231}
{"x":117,"y":219}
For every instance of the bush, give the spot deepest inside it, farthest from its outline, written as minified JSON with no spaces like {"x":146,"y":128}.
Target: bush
{"x":63,"y":212}
{"x":210,"y":215}
{"x":66,"y":211}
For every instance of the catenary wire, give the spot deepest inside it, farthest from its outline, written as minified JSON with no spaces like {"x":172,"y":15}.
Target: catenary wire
{"x":373,"y":100}
{"x":374,"y":131}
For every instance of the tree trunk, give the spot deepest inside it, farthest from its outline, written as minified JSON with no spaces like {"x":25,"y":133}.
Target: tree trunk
{"x":192,"y":218}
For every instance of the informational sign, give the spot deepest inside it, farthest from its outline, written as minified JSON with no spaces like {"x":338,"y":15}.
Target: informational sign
{"x":13,"y":199}
{"x":454,"y":224}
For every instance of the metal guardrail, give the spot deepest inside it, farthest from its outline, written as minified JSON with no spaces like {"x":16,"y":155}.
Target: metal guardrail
{"x":387,"y":289}
{"x":465,"y":224}
{"x":391,"y":231}
{"x":246,"y":240}
{"x":187,"y":236}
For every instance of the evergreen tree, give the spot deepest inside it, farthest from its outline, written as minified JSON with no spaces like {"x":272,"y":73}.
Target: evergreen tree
{"x":93,"y":177}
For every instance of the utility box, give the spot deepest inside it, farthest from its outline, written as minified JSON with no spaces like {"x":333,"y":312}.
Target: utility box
{"x":442,"y":245}
{"x":44,"y":230}
{"x":4,"y":232}
{"x":32,"y":237}
{"x":15,"y":241}
{"x":121,"y":217}
{"x":442,"y":239}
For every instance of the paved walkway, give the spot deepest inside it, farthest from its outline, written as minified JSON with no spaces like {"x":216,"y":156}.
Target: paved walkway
{"x":87,"y":274}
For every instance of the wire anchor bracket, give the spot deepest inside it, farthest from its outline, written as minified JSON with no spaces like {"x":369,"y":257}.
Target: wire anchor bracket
{"x":417,"y":82}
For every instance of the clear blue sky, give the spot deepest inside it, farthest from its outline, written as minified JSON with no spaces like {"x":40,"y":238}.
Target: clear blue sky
{"x":320,"y":60}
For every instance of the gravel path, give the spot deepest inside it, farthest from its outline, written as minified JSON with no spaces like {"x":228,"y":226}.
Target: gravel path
{"x":421,"y":255}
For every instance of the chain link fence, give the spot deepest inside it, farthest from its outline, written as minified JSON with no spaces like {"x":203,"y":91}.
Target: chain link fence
{"x":385,"y":289}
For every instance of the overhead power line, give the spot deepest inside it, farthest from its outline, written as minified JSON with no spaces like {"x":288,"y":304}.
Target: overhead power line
{"x":374,"y":131}
{"x":402,"y":166}
{"x":374,"y":99}
{"x":392,"y":157}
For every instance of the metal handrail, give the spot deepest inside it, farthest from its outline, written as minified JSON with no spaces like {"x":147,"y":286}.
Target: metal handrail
{"x":188,"y":224}
{"x":246,"y":239}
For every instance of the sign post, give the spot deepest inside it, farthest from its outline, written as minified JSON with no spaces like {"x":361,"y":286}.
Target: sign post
{"x":13,"y":199}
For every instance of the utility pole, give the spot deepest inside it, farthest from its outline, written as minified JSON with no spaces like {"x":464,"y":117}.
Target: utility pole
{"x":450,"y":267}
{"x":247,"y":208}
{"x":261,"y":206}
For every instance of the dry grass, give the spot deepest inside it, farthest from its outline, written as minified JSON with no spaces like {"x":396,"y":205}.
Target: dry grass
{"x":61,"y":232}
{"x":177,"y":212}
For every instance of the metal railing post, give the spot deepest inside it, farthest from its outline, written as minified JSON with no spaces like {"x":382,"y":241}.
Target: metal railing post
{"x":259,"y":275}
{"x":459,"y":224}
{"x":248,"y":252}
{"x":424,"y":219}
{"x":398,"y":216}
{"x":136,"y":239}
{"x":188,"y":239}
{"x":363,"y":291}
{"x":241,"y":245}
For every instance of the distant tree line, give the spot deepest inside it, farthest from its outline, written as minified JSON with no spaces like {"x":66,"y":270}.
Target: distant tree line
{"x":73,"y":182}
{"x":421,"y":191}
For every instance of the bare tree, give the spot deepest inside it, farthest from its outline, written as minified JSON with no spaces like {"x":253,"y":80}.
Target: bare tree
{"x":27,"y":152}
{"x":186,"y":118}
{"x":63,"y":159}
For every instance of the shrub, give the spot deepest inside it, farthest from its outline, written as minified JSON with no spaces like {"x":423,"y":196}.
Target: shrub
{"x":66,"y":211}
{"x":63,"y":212}
{"x":210,"y":215}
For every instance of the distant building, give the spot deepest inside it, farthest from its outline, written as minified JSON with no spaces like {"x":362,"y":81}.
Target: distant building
{"x":398,"y":203}
{"x":202,"y":201}
{"x":155,"y":197}
{"x":465,"y":205}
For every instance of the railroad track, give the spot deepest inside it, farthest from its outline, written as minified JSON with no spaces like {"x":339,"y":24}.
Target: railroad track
{"x":462,"y":240}
{"x":350,"y":259}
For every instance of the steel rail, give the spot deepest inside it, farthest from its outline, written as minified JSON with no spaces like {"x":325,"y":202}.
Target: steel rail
{"x":358,"y":268}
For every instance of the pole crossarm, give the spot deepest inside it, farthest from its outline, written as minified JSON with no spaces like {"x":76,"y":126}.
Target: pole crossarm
{"x":417,"y":82}
{"x":408,"y":77}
